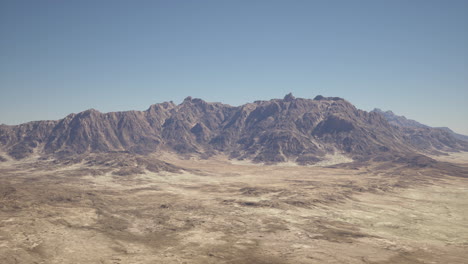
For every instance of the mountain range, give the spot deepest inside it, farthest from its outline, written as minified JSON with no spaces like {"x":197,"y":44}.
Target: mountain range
{"x":402,"y":121}
{"x":291,"y":129}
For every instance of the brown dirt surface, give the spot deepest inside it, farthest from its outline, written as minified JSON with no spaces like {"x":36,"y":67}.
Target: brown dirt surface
{"x":217,"y":211}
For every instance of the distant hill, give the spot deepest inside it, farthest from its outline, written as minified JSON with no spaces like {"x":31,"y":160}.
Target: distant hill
{"x":399,"y":120}
{"x":456,"y":135}
{"x":404,"y":122}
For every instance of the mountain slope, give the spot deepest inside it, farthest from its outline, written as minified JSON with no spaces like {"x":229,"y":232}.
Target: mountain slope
{"x":397,"y":120}
{"x":423,"y":137}
{"x":289,"y":129}
{"x":456,"y":135}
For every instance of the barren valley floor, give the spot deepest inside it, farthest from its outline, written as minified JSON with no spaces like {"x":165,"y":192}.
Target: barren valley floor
{"x":216,"y":211}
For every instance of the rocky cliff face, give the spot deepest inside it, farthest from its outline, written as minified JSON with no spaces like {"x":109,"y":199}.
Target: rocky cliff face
{"x":278,"y":130}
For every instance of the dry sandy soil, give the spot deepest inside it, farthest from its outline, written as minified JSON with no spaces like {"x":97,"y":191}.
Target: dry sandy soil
{"x":217,"y":211}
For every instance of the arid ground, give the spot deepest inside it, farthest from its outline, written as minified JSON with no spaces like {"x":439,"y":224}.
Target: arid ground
{"x":216,"y":211}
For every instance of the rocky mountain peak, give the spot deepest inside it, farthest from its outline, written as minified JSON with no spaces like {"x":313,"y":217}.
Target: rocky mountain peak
{"x":161,"y":106}
{"x":289,"y":97}
{"x":320,"y":98}
{"x":88,"y":113}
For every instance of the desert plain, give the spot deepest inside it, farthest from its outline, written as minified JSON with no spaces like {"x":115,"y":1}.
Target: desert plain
{"x":117,"y":209}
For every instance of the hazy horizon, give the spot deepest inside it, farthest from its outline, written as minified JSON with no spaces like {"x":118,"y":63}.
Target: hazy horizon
{"x":65,"y":57}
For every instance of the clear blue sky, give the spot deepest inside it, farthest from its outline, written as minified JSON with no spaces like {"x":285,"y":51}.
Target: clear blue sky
{"x":58,"y":57}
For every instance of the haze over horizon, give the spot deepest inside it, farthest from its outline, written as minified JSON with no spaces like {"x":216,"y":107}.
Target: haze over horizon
{"x":61,"y":57}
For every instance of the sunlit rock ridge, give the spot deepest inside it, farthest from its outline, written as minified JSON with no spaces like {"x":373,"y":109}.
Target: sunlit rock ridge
{"x":279,"y":130}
